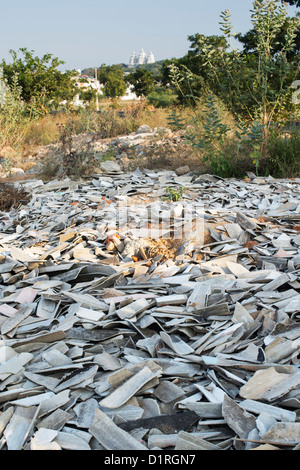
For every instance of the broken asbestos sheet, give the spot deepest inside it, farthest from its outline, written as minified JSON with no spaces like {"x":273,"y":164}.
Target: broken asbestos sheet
{"x":122,"y":327}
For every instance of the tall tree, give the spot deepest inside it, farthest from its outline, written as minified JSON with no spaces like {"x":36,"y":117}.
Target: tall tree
{"x":255,"y":85}
{"x":39,"y":78}
{"x":112,"y":77}
{"x":142,"y":81}
{"x":249,"y":41}
{"x":191,"y":69}
{"x":295,"y":3}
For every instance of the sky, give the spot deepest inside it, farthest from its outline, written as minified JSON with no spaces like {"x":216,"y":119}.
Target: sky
{"x":88,"y":33}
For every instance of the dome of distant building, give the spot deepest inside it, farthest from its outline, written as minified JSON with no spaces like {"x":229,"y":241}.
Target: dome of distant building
{"x":132,"y":59}
{"x":141,"y":58}
{"x":150,"y":58}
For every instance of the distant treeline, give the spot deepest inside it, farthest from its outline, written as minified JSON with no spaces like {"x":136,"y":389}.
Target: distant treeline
{"x":154,"y":68}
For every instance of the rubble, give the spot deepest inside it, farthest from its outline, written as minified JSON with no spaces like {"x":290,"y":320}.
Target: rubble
{"x":127,"y":151}
{"x":119,"y":334}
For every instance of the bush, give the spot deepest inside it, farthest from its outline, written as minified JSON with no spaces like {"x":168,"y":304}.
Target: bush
{"x":43,"y":131}
{"x":39,"y":79}
{"x":12,"y":197}
{"x":15,"y":117}
{"x":109,"y":122}
{"x":162,"y":98}
{"x":229,"y":149}
{"x":284,"y":151}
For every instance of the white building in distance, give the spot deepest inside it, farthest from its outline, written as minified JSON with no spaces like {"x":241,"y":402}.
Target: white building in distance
{"x":141,"y":58}
{"x":85,"y":83}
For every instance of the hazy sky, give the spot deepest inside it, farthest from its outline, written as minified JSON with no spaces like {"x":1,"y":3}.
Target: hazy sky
{"x":88,"y":33}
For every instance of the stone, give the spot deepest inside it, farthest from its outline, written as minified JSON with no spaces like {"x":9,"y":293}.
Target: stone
{"x":8,"y":152}
{"x":144,"y":129}
{"x":182,"y":170}
{"x":16,"y":171}
{"x":110,"y":166}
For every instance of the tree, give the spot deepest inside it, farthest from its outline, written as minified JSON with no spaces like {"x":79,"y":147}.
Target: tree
{"x":191,"y":74}
{"x":249,"y":41}
{"x":39,"y":78}
{"x":112,"y":77}
{"x":142,"y":81}
{"x":114,"y":87}
{"x":88,"y":96}
{"x":267,"y":71}
{"x":255,"y":85}
{"x":104,"y":71}
{"x":292,"y":2}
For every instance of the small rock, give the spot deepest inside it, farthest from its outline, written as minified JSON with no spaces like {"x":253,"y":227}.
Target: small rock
{"x":163,"y":130}
{"x":16,"y":171}
{"x":110,"y":246}
{"x":143,"y":129}
{"x":110,"y":166}
{"x":183,"y":170}
{"x":37,"y":168}
{"x":258,"y":181}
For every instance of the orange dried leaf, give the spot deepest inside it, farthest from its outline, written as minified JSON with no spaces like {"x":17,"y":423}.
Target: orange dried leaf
{"x":250,"y":244}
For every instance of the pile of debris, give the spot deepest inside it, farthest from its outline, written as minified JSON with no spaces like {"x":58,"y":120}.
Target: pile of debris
{"x":130,"y":150}
{"x":113,"y":341}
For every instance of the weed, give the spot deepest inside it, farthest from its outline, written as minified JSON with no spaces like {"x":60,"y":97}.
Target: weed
{"x":106,"y":156}
{"x":12,"y":197}
{"x":76,"y":162}
{"x":283,"y":160}
{"x":15,"y":117}
{"x":222,"y":146}
{"x":174,"y":194}
{"x":176,"y":121}
{"x":6,"y":165}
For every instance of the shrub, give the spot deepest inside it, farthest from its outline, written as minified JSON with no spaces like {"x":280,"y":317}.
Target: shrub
{"x":43,"y":131}
{"x":39,"y":79}
{"x":229,"y":150}
{"x":15,"y":117}
{"x":284,"y":151}
{"x":162,"y":98}
{"x":12,"y":197}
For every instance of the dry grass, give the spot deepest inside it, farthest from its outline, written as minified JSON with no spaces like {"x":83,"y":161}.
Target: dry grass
{"x":155,"y":117}
{"x":45,"y":131}
{"x":11,"y":197}
{"x":171,"y":156}
{"x":15,"y":178}
{"x":112,"y":121}
{"x":167,"y":248}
